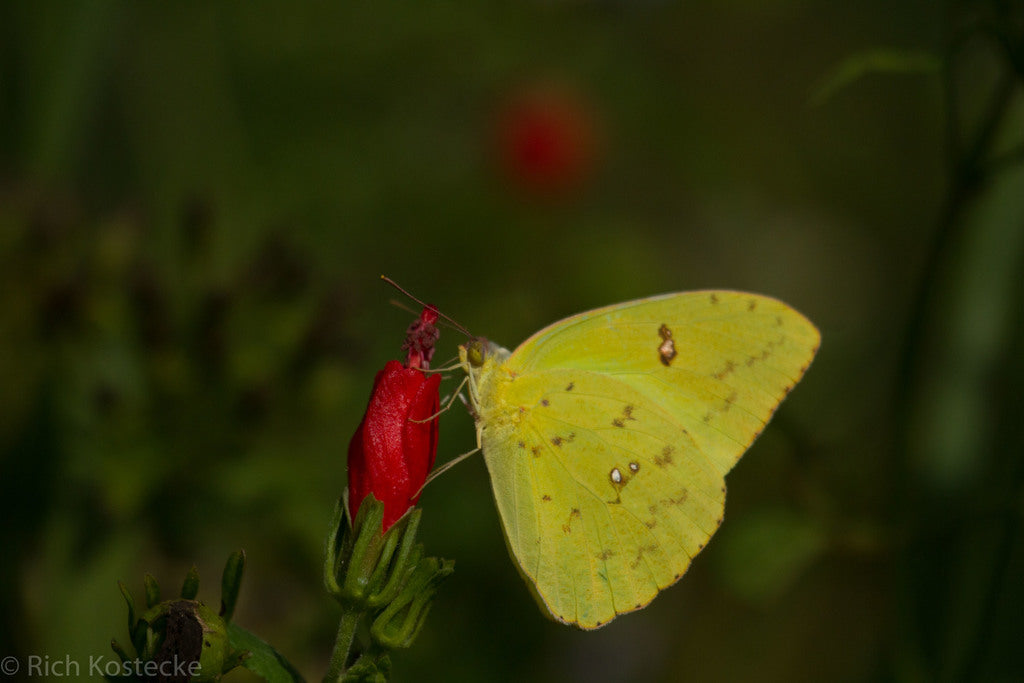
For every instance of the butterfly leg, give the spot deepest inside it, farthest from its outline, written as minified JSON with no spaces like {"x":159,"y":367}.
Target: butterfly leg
{"x":444,"y":468}
{"x":450,"y":400}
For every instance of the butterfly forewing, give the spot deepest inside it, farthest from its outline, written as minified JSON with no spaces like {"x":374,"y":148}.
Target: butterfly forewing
{"x":733,"y":357}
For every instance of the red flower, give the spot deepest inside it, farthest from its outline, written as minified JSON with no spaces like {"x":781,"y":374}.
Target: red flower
{"x":392,"y":451}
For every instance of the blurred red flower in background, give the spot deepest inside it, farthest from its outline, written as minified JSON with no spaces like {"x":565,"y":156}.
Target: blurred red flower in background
{"x":546,"y":139}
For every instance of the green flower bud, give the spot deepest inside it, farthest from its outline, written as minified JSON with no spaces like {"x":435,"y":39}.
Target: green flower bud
{"x":400,"y":622}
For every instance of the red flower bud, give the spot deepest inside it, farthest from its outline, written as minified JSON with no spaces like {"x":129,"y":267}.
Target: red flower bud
{"x":393,"y":449}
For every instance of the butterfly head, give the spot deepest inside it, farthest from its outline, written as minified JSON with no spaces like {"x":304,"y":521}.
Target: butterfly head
{"x":479,"y":350}
{"x":475,"y":351}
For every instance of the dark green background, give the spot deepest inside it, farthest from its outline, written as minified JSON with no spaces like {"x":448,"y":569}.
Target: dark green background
{"x":196,"y":203}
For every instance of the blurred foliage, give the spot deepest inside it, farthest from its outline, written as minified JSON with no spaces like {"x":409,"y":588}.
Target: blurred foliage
{"x":196,"y":201}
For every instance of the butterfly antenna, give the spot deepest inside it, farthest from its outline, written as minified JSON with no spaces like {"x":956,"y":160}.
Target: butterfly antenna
{"x":398,"y":304}
{"x":451,"y":320}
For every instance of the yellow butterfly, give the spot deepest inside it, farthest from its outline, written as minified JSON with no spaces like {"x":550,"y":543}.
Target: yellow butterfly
{"x":608,"y":436}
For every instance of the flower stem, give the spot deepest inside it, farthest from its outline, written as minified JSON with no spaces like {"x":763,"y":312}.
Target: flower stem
{"x":343,"y":644}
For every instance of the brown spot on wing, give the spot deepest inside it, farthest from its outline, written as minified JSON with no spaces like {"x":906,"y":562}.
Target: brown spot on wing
{"x":667,"y":348}
{"x":729,"y":400}
{"x":679,"y":498}
{"x":559,"y":440}
{"x":666,"y":456}
{"x":573,"y":514}
{"x":640,"y":554}
{"x":627,"y":414}
{"x":725,"y":371}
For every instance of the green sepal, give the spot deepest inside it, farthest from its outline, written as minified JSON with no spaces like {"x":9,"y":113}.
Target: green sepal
{"x":398,"y":569}
{"x":231,"y":583}
{"x":360,"y":552}
{"x":137,"y":634}
{"x":339,"y":531}
{"x":152,"y":590}
{"x":190,"y":586}
{"x":379,"y":574}
{"x":118,"y":650}
{"x":400,"y":622}
{"x":151,"y":639}
{"x":127,"y":595}
{"x":361,"y":565}
{"x":370,"y":568}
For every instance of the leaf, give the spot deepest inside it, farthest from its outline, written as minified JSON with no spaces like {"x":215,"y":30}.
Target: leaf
{"x":263,"y":660}
{"x":884,"y":60}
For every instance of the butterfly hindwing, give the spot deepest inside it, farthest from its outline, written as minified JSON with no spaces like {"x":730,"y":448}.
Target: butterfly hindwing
{"x":619,"y":499}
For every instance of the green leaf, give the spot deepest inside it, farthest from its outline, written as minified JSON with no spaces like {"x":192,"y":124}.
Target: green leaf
{"x":883,"y":60}
{"x":264,"y":661}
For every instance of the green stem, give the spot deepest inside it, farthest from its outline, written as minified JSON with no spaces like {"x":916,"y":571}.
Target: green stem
{"x":343,"y":644}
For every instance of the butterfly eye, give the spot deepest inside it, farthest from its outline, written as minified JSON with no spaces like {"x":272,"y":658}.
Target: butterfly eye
{"x":475,"y":352}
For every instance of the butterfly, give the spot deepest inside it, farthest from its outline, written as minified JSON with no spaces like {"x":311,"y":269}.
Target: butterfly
{"x":608,"y":435}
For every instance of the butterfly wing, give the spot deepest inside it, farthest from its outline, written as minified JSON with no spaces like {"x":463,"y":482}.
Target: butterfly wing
{"x":608,"y":436}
